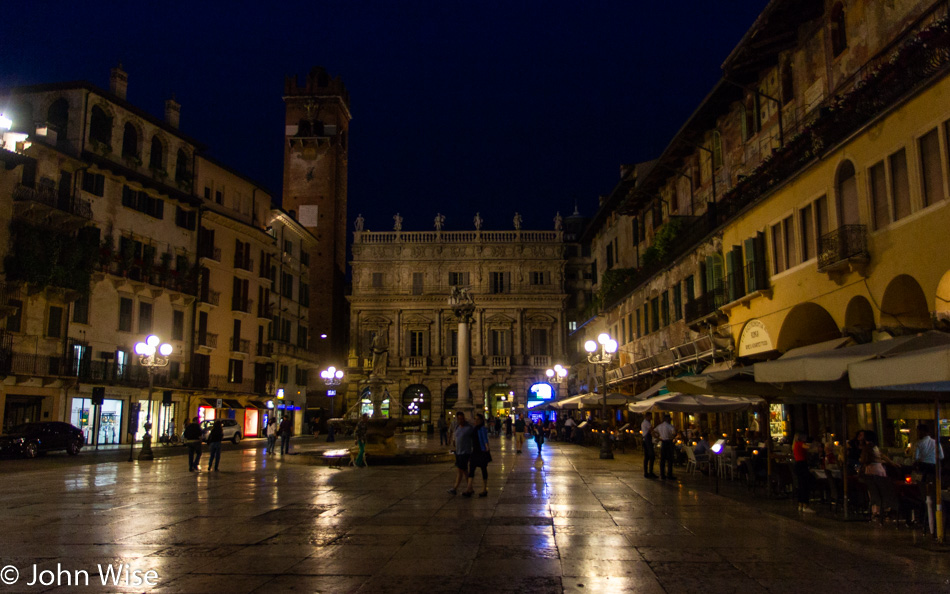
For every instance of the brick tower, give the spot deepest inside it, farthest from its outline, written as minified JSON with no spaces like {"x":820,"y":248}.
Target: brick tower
{"x":315,"y":169}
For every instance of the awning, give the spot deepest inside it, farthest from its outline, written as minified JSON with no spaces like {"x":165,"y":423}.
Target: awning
{"x":924,"y":370}
{"x":572,"y":402}
{"x":738,"y":381}
{"x":208,"y":402}
{"x":228,"y":403}
{"x":654,"y":390}
{"x":256,"y":404}
{"x":613,"y":399}
{"x":678,"y":402}
{"x":829,"y":361}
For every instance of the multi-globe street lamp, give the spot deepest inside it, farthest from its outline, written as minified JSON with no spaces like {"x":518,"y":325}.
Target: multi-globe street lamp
{"x":602,"y":359}
{"x":153,"y":353}
{"x":331,"y":377}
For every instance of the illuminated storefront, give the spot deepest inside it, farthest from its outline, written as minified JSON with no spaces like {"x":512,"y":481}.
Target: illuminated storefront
{"x":110,"y":420}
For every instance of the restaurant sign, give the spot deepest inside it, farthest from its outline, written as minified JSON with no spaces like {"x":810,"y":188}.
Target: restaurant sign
{"x":754,"y":339}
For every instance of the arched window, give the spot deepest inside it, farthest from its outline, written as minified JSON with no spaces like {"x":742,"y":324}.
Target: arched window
{"x":846,"y":192}
{"x":181,"y":167}
{"x":58,"y":117}
{"x":156,"y":155}
{"x":100,"y":126}
{"x":839,"y":36}
{"x":130,"y":141}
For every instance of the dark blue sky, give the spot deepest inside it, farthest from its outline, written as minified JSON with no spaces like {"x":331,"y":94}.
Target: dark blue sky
{"x":457,"y":107}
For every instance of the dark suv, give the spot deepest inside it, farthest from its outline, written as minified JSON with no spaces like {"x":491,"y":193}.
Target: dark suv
{"x":32,"y":439}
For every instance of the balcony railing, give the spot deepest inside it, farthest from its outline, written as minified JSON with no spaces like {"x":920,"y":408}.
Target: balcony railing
{"x":705,"y":304}
{"x":242,"y":305}
{"x":74,"y":205}
{"x":265,"y":310}
{"x":244,"y":264}
{"x":240,"y":345}
{"x":540,"y":361}
{"x":264,"y":349}
{"x":32,"y":364}
{"x":457,"y":236}
{"x":210,"y":297}
{"x":207,"y":339}
{"x":211,"y":253}
{"x":842,"y":246}
{"x":416,"y":363}
{"x":499,"y":361}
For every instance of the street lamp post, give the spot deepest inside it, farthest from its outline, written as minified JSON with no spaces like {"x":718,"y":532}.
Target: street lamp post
{"x":608,"y":347}
{"x":153,"y":353}
{"x":332,"y":377}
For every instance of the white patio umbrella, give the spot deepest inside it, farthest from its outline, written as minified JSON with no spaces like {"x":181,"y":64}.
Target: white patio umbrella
{"x":679,"y":402}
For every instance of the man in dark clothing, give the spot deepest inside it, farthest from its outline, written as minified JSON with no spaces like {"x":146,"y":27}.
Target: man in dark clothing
{"x":463,"y":450}
{"x":519,"y":433}
{"x":214,"y":445}
{"x":286,"y":430}
{"x":193,"y":440}
{"x":443,"y":431}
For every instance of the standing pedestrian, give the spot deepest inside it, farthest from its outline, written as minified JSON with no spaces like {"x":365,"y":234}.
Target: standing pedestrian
{"x":925,"y":454}
{"x":649,"y":452}
{"x":193,"y":440}
{"x":271,"y":435}
{"x":800,"y":454}
{"x":520,"y":428}
{"x":539,"y":430}
{"x":362,"y":428}
{"x":481,"y":456}
{"x":214,"y":445}
{"x":666,"y":432}
{"x":463,"y":450}
{"x":443,"y":430}
{"x":498,"y":426}
{"x":286,"y":431}
{"x":508,"y":425}
{"x":569,"y":425}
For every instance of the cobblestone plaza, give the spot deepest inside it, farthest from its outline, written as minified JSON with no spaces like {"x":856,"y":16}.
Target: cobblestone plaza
{"x":566,"y":521}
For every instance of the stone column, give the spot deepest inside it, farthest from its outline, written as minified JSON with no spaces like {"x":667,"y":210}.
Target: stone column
{"x":463,"y":404}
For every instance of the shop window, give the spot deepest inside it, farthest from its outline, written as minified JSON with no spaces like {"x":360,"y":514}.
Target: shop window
{"x":931,"y":168}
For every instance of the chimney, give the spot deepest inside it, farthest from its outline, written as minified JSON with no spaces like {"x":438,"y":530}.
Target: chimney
{"x":172,"y":112}
{"x":118,"y":81}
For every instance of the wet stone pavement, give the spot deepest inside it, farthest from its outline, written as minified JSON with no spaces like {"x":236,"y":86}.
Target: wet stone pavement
{"x":564,"y":522}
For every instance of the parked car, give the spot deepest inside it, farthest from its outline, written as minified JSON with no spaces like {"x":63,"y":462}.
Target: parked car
{"x":230,"y":428}
{"x":33,"y":439}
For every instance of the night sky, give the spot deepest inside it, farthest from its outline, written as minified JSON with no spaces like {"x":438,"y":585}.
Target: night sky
{"x":457,"y":107}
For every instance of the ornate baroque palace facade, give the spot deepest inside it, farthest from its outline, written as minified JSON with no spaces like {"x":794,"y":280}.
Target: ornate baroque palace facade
{"x":804,"y":200}
{"x":400,"y":299}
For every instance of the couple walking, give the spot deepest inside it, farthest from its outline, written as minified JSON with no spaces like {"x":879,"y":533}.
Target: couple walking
{"x":471,"y":453}
{"x":193,"y":437}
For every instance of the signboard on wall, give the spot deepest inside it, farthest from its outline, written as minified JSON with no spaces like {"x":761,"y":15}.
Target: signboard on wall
{"x":541,"y":391}
{"x":754,"y":339}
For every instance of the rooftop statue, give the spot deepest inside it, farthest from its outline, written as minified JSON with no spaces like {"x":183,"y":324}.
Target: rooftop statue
{"x":397,"y":224}
{"x":358,"y":223}
{"x":478,"y":221}
{"x":517,"y":221}
{"x":558,"y":221}
{"x":439,"y":221}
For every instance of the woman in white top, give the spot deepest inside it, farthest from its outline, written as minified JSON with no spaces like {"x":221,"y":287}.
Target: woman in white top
{"x":880,"y":491}
{"x":271,"y":435}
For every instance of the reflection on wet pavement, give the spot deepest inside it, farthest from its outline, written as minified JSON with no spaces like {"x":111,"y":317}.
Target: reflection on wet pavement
{"x":564,"y":522}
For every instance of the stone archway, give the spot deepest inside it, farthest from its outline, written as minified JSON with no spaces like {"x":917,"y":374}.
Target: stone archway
{"x":859,"y":319}
{"x":417,"y":402}
{"x":805,"y":324}
{"x":904,"y":306}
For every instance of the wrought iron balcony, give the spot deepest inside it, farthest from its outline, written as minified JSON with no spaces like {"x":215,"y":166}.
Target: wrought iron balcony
{"x":240,"y":345}
{"x":706,"y":304}
{"x":52,"y":199}
{"x":210,"y":296}
{"x":842,"y":247}
{"x":207,"y":339}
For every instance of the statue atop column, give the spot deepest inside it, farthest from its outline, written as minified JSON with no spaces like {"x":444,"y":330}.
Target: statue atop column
{"x":517,"y":222}
{"x":461,"y":302}
{"x":439,"y":221}
{"x":478,"y":221}
{"x":397,"y":222}
{"x":358,"y":223}
{"x":558,"y":221}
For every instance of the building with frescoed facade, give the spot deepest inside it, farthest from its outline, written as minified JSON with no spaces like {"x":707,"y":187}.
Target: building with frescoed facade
{"x":804,"y":200}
